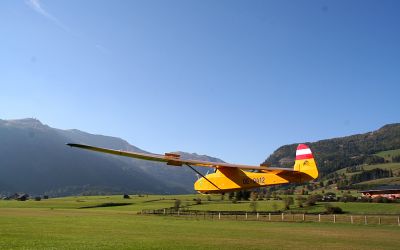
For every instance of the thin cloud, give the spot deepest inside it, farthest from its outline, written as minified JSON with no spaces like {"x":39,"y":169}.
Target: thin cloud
{"x":38,"y":8}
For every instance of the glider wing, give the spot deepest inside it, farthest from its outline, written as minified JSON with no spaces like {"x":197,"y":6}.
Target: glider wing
{"x":174,"y":159}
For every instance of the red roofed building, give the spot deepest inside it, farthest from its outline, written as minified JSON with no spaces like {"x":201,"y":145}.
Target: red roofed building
{"x":392,"y":193}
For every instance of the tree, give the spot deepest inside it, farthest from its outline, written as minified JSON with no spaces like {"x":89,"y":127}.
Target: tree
{"x":177,"y":204}
{"x":329,"y":209}
{"x":238,"y":195}
{"x":312,"y":199}
{"x":300,"y":201}
{"x":274,"y":206}
{"x":288,"y":200}
{"x":253,"y":196}
{"x":396,"y":158}
{"x":253,"y":206}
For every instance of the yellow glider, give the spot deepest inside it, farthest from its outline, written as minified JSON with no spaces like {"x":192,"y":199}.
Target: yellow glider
{"x":231,"y":177}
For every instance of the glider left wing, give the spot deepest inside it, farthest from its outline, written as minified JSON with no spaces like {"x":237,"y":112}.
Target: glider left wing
{"x":174,"y":159}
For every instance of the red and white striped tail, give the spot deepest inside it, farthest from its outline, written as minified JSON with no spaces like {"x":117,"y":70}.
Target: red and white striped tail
{"x":303,"y":152}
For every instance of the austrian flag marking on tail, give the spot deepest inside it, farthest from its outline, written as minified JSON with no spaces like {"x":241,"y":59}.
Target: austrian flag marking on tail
{"x":303,"y":152}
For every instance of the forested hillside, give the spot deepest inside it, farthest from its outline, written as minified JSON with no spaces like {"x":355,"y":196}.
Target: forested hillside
{"x":337,"y":153}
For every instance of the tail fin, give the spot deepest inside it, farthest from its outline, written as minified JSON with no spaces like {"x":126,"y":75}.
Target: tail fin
{"x":305,"y":162}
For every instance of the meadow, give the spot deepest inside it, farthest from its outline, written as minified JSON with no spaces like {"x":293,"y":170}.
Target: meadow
{"x":88,"y":223}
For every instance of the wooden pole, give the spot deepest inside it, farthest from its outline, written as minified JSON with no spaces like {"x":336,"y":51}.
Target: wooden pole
{"x":365,"y":220}
{"x":257,"y":216}
{"x":219,"y":215}
{"x":351,"y":219}
{"x":319,"y":217}
{"x":283,"y":217}
{"x":304,"y":217}
{"x":269,"y":216}
{"x":334,"y":218}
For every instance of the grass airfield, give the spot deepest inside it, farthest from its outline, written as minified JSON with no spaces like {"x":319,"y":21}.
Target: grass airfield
{"x":62,"y":223}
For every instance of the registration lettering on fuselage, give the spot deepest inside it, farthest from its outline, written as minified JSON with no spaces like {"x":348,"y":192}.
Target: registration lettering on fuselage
{"x":258,"y":180}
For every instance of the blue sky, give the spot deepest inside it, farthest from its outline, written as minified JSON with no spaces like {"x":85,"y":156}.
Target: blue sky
{"x":231,"y":79}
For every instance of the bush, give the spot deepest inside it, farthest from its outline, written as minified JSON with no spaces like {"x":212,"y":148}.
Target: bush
{"x":380,"y":199}
{"x":329,"y":209}
{"x":348,"y":198}
{"x":312,"y":199}
{"x":365,"y":199}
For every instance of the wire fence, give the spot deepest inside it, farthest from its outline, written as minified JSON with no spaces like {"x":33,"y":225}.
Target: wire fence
{"x":278,"y":217}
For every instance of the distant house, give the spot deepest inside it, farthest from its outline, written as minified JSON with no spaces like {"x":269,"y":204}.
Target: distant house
{"x":390,"y":193}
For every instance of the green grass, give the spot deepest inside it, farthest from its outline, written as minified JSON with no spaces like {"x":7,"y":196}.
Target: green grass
{"x":395,"y":167}
{"x":137,"y":204}
{"x":100,"y":228}
{"x":383,"y":181}
{"x":387,"y":155}
{"x":264,"y":206}
{"x":356,"y":208}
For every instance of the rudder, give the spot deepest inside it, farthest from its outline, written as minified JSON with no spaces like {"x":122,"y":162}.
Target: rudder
{"x":305,"y":162}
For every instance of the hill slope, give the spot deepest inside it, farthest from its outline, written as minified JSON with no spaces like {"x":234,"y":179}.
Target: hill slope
{"x":337,"y":153}
{"x":35,"y":159}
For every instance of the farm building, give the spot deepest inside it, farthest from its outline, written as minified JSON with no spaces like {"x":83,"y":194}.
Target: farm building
{"x":390,"y":193}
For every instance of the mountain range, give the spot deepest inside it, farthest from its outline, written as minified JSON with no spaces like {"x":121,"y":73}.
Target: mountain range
{"x":35,"y":159}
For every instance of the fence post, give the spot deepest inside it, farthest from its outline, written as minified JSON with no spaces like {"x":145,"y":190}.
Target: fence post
{"x":398,"y":221}
{"x":282,"y":217}
{"x":219,"y":215}
{"x":304,"y":217}
{"x":269,"y":216}
{"x":246,"y":216}
{"x":334,"y":218}
{"x":164,"y":211}
{"x":365,"y":220}
{"x":319,"y":217}
{"x":379,"y":220}
{"x":351,"y":219}
{"x":257,"y":216}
